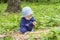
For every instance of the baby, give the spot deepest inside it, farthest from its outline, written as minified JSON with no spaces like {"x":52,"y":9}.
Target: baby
{"x":27,"y":21}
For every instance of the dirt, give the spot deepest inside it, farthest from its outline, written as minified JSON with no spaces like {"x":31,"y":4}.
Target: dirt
{"x":18,"y":36}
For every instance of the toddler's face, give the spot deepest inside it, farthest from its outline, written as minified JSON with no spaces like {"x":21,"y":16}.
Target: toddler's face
{"x":28,"y":17}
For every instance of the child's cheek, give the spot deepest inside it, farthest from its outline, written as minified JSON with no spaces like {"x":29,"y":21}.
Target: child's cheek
{"x":27,"y":18}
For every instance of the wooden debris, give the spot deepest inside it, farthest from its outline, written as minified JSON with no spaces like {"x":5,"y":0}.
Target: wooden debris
{"x":3,"y":36}
{"x":18,"y":36}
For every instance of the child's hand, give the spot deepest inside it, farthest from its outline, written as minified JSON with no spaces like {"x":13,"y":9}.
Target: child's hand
{"x":34,"y":23}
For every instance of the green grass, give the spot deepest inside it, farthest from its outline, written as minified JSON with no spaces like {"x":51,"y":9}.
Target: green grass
{"x":46,"y":15}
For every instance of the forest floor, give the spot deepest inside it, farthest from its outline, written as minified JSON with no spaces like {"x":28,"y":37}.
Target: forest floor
{"x":18,"y":36}
{"x":46,"y":15}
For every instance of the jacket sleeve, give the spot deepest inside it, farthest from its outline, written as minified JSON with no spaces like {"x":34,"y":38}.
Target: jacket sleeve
{"x":22,"y":26}
{"x":32,"y":19}
{"x":22,"y":23}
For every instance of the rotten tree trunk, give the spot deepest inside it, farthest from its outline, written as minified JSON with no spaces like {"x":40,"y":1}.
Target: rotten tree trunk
{"x":31,"y":1}
{"x":13,"y":6}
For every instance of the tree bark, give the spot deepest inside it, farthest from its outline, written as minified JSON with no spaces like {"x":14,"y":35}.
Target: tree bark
{"x":31,"y":1}
{"x":13,"y":6}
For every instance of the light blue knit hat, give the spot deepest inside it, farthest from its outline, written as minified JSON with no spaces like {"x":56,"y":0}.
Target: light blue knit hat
{"x":26,"y":11}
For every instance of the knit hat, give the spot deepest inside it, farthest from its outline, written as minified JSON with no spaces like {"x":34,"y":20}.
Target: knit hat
{"x":26,"y":11}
